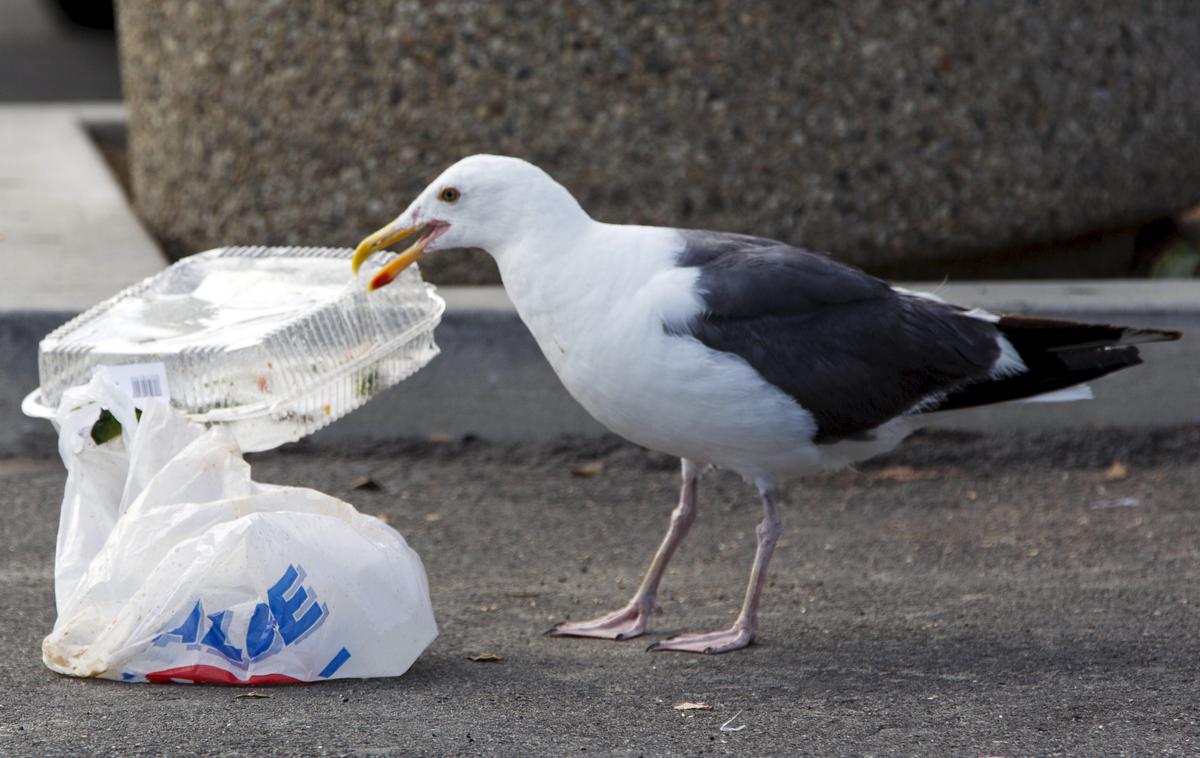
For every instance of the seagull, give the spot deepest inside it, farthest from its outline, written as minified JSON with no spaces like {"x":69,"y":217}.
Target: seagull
{"x":732,"y":351}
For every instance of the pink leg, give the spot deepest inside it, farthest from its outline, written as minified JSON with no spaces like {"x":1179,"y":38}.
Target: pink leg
{"x":745,"y":627}
{"x":630,"y":621}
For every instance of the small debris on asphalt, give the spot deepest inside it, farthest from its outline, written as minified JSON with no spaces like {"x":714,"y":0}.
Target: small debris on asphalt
{"x":1116,"y":472}
{"x":485,"y":658}
{"x":251,"y":696}
{"x":906,"y":474}
{"x":365,"y":483}
{"x":726,"y":726}
{"x":431,"y":518}
{"x":1122,"y":502}
{"x":587,"y":470}
{"x":689,"y":705}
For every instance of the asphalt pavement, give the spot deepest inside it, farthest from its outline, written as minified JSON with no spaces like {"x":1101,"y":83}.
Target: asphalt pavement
{"x":1005,"y":595}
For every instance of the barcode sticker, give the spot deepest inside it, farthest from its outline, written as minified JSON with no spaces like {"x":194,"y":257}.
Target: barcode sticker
{"x":145,"y":386}
{"x":139,"y":380}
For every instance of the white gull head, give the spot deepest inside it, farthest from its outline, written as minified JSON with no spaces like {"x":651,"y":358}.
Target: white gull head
{"x":492,"y":202}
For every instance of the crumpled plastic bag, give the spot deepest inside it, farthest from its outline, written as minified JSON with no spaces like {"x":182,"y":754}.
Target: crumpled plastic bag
{"x":172,"y":564}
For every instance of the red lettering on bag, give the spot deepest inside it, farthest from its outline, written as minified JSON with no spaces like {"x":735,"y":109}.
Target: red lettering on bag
{"x":199,"y":673}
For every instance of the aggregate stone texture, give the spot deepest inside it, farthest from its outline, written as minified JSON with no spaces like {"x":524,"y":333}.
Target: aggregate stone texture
{"x":882,"y":132}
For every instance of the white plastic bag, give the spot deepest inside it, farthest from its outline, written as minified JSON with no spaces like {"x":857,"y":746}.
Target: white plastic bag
{"x":173,"y":565}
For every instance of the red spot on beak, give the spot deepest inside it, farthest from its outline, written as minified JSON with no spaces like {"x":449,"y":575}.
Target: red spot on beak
{"x":382,"y":279}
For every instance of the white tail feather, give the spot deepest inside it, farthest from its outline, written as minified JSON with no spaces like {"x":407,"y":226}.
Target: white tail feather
{"x":1067,"y":395}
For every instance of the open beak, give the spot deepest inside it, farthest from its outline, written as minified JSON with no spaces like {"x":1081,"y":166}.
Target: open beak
{"x":388,"y":236}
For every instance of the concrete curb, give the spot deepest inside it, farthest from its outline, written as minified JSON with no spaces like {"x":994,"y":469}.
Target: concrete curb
{"x":20,"y":332}
{"x":491,"y":380}
{"x":68,"y":237}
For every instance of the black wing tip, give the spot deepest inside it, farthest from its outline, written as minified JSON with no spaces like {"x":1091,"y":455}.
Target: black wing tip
{"x":1059,"y":334}
{"x":1054,"y":371}
{"x":1141,"y":336}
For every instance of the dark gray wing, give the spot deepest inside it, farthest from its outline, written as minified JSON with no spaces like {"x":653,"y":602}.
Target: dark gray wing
{"x":849,"y":348}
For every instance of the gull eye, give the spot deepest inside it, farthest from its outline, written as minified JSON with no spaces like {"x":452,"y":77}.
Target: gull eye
{"x":449,"y":195}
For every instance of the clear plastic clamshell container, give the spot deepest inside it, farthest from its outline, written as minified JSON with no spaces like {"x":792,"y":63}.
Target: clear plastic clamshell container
{"x":275,"y":342}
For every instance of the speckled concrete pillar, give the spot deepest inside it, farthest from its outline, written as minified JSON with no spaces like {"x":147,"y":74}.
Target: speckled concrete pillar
{"x":883,"y":132}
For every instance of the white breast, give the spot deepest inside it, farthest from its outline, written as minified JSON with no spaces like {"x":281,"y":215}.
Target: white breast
{"x":599,"y":312}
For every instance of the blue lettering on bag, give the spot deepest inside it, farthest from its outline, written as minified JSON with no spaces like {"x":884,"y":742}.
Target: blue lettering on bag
{"x":290,"y":614}
{"x":188,"y":632}
{"x":215,"y":639}
{"x":261,"y":633}
{"x":284,"y":608}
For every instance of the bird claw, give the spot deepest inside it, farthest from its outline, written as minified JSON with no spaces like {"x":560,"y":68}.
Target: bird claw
{"x":708,"y":643}
{"x":624,"y":624}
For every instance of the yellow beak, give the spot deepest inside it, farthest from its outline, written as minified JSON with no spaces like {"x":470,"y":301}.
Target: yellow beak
{"x":384,"y":238}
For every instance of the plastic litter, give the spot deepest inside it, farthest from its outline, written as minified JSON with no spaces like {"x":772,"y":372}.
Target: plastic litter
{"x":726,"y":726}
{"x":1120,"y":502}
{"x":173,"y":565}
{"x":273,"y":342}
